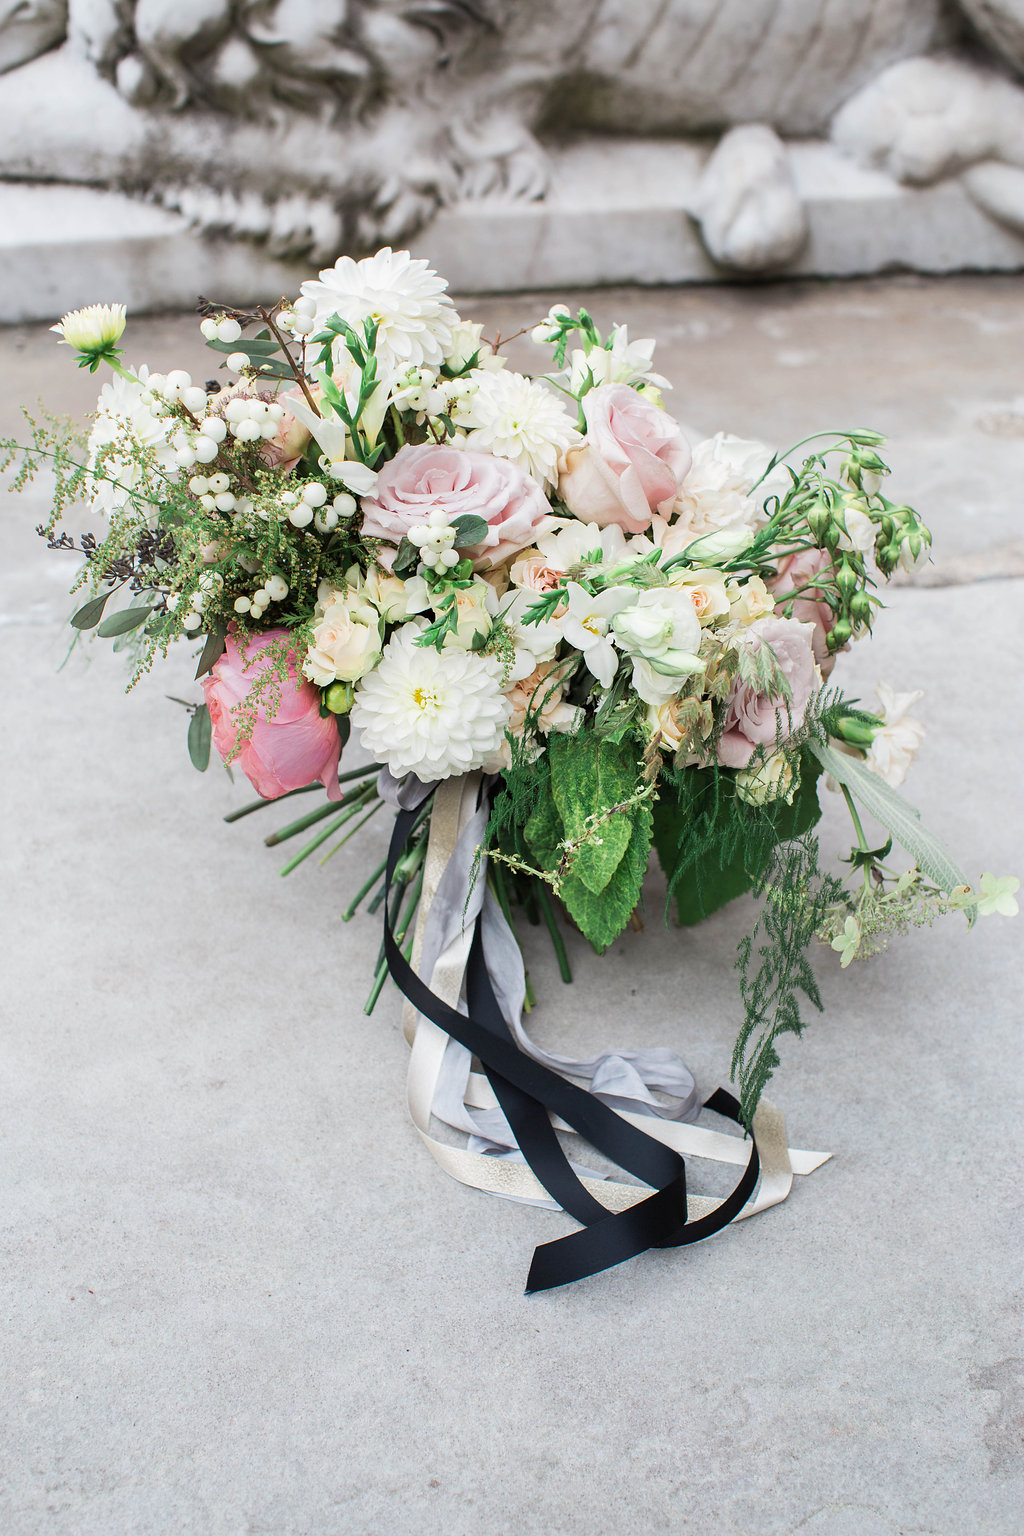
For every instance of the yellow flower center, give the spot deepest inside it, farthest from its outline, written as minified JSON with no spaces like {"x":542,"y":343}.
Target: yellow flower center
{"x":591,"y":624}
{"x":425,"y":698}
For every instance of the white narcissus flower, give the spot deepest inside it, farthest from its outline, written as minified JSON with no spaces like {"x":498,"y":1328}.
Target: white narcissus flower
{"x":404,"y":296}
{"x":515,"y":418}
{"x":586,"y":623}
{"x":428,"y":712}
{"x":892,"y":750}
{"x":94,"y":329}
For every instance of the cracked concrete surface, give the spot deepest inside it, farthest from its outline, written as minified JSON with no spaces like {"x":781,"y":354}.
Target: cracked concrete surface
{"x":240,"y":1300}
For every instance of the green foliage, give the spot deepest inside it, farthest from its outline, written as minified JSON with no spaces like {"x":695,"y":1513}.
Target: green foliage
{"x":588,"y":778}
{"x":200,"y":734}
{"x":580,"y":819}
{"x":773,"y":964}
{"x":929,"y":853}
{"x":715,"y":846}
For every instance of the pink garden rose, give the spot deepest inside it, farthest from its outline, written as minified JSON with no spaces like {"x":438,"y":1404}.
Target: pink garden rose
{"x":756,"y":719}
{"x":795,"y":571}
{"x":284,"y":450}
{"x":426,"y":476}
{"x":631,"y":465}
{"x":288,"y":750}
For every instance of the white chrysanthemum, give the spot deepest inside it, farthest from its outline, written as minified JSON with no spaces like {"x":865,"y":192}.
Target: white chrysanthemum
{"x":516,"y":418}
{"x":124,"y":420}
{"x":93,"y":329}
{"x":408,"y":300}
{"x":429,"y":712}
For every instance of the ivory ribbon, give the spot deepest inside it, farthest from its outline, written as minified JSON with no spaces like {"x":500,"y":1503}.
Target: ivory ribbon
{"x":441,"y":1083}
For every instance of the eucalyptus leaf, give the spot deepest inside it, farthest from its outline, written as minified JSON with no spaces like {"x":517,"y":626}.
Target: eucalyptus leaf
{"x":469,"y":529}
{"x":407,"y":558}
{"x":212,"y":652}
{"x":89,"y":615}
{"x":124,"y":620}
{"x":880,"y":800}
{"x":250,"y":345}
{"x":200,"y":732}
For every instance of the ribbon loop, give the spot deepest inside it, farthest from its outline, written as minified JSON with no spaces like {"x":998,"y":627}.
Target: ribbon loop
{"x":530,"y":1094}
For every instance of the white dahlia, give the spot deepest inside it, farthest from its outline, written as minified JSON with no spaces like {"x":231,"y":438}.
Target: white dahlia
{"x":408,"y":300}
{"x":125,"y":435}
{"x":516,"y":418}
{"x":429,"y":712}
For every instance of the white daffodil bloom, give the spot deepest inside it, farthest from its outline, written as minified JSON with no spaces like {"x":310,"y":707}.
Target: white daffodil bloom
{"x":586,"y":626}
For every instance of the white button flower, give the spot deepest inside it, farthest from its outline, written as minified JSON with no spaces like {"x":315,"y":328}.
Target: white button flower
{"x":586,"y":626}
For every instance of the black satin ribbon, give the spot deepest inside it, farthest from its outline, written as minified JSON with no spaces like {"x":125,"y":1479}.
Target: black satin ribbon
{"x":529,"y":1094}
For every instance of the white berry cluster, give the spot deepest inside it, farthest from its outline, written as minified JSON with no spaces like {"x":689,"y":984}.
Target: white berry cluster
{"x":435,"y":540}
{"x":211,"y":583}
{"x":310,"y":506}
{"x":249,"y":418}
{"x":273,"y":590}
{"x":299,"y":317}
{"x":221,"y":328}
{"x":215,"y":494}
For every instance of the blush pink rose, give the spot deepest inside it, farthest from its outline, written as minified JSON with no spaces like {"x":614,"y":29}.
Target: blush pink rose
{"x":755,"y":719}
{"x":631,"y":465}
{"x":795,"y":571}
{"x":425,"y":477}
{"x":292,"y":748}
{"x":285,"y":449}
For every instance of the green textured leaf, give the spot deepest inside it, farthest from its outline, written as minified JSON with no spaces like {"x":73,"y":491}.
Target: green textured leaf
{"x":897,"y":815}
{"x":588,"y":777}
{"x":89,"y":615}
{"x":124,"y":620}
{"x":200,"y":733}
{"x":544,"y":830}
{"x":407,"y":558}
{"x":601,"y":916}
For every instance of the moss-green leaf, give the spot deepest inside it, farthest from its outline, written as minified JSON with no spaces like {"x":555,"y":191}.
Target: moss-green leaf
{"x":601,"y":916}
{"x":588,"y":777}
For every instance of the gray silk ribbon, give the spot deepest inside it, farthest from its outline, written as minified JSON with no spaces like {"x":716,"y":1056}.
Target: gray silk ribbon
{"x":623,"y":1079}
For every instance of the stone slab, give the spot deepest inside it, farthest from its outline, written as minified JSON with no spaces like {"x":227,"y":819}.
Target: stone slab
{"x":239,"y":1299}
{"x":615,"y":213}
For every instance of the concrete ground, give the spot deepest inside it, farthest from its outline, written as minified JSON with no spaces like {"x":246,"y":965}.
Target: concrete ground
{"x":239,"y":1298}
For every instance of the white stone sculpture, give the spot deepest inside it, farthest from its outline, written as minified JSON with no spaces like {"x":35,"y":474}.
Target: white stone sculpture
{"x":318,"y":125}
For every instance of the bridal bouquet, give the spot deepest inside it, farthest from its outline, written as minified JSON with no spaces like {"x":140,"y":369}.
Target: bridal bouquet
{"x":613,"y":641}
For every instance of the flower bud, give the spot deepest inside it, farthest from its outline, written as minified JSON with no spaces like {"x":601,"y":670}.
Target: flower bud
{"x":339,"y":698}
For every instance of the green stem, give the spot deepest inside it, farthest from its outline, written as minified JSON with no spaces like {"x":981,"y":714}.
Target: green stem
{"x":321,"y":837}
{"x":374,"y":808}
{"x":544,"y":902}
{"x":303,"y":822}
{"x":363,"y":891}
